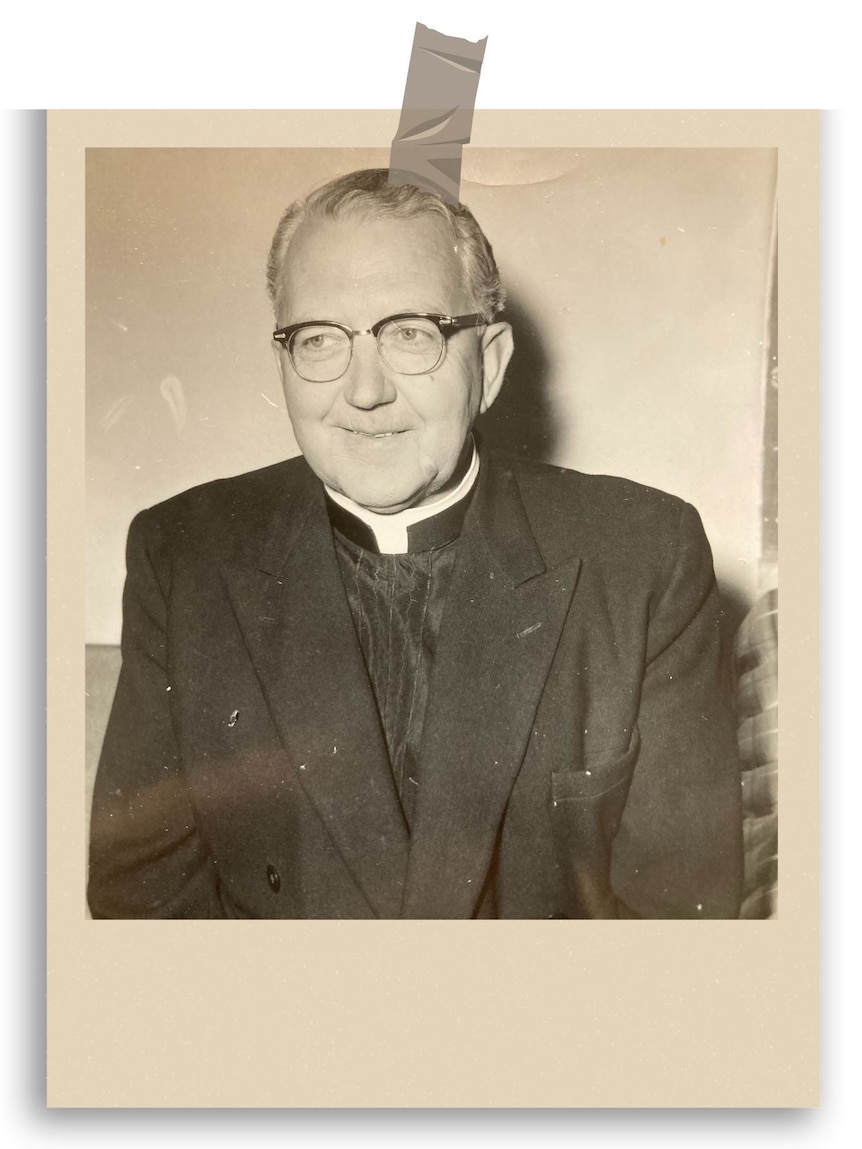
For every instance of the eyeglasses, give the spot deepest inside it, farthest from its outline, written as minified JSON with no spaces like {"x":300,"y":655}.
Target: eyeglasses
{"x":410,"y":344}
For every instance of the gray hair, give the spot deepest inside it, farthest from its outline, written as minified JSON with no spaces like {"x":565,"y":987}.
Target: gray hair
{"x":369,"y":191}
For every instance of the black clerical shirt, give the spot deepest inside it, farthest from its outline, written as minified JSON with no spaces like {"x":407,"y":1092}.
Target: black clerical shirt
{"x":397,"y":603}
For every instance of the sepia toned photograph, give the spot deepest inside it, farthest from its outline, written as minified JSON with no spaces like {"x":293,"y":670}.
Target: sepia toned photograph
{"x":431,"y":548}
{"x":434,"y":719}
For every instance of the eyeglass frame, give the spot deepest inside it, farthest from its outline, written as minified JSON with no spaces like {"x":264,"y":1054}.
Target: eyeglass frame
{"x":446,"y":324}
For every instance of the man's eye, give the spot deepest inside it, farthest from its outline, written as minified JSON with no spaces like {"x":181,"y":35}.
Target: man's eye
{"x":413,"y":337}
{"x":316,"y":342}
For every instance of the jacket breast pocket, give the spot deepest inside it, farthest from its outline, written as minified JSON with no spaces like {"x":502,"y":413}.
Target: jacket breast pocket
{"x":601,"y":773}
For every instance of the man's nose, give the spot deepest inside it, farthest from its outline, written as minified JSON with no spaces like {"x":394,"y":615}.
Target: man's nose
{"x":367,"y":383}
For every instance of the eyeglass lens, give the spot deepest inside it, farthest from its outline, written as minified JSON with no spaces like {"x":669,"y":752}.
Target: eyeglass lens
{"x":411,"y":347}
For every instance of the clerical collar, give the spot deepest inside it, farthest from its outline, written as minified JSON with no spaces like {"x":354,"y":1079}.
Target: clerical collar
{"x":422,"y":528}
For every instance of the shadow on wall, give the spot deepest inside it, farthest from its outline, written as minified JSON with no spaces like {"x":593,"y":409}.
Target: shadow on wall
{"x":521,"y":422}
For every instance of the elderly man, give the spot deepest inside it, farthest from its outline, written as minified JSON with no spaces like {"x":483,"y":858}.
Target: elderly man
{"x":400,"y":677}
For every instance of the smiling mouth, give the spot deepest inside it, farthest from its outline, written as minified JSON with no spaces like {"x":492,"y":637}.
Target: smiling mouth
{"x":374,"y":434}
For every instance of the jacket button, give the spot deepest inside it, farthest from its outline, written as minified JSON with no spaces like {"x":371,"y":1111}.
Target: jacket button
{"x":557,"y":916}
{"x":273,"y":879}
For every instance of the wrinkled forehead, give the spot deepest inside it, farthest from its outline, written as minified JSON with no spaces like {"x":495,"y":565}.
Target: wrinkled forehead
{"x":412,"y":261}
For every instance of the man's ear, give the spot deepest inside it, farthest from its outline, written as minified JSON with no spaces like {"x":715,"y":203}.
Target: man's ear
{"x":279,"y":360}
{"x":498,"y":343}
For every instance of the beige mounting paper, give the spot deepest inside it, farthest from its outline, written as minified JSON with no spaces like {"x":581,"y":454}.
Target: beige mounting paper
{"x":451,"y":1014}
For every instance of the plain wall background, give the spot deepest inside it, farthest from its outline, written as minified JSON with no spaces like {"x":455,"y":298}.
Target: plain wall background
{"x":637,"y":281}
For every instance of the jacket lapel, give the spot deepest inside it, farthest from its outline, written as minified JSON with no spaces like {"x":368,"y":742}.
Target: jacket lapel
{"x":297,"y":626}
{"x":501,"y":628}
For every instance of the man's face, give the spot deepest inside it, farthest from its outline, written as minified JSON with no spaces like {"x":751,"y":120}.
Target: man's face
{"x":385,"y":440}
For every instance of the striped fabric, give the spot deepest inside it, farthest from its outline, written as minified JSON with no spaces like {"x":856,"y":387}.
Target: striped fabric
{"x":756,"y":658}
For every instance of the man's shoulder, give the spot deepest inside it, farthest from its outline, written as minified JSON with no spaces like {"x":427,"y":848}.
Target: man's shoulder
{"x":547,"y":489}
{"x":606,"y":517}
{"x":237,"y":504}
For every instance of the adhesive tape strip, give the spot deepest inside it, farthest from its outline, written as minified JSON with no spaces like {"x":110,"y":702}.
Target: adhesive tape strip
{"x":436,"y":113}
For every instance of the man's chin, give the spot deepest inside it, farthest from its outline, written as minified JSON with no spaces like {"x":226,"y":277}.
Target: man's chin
{"x":383,"y":503}
{"x":384,"y":492}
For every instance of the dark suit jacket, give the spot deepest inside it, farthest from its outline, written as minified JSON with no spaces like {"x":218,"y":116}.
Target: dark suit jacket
{"x":578,"y":755}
